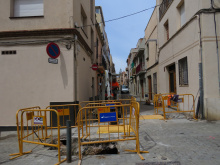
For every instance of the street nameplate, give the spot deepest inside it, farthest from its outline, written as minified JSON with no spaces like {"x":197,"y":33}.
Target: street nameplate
{"x":53,"y":60}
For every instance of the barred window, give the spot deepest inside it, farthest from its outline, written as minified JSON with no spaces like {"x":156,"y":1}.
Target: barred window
{"x":183,"y":72}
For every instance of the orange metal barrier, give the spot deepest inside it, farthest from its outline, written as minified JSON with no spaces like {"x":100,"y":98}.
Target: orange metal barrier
{"x":183,"y":104}
{"x":36,"y":119}
{"x":91,"y":121}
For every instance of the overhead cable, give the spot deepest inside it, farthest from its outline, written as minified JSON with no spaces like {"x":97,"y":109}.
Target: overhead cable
{"x":115,"y":19}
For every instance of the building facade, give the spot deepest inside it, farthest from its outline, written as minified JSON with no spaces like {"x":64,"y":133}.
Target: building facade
{"x":27,"y":78}
{"x":151,"y":54}
{"x":188,"y":51}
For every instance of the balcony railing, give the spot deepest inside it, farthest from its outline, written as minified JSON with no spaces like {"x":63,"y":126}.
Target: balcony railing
{"x":134,"y":71}
{"x":140,"y":68}
{"x":164,"y":7}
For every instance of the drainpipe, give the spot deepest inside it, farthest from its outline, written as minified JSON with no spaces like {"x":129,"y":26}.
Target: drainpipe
{"x":216,"y":36}
{"x":75,"y":68}
{"x":201,"y":70}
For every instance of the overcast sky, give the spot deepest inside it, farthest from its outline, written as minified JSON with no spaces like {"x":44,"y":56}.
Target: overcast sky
{"x":123,"y":34}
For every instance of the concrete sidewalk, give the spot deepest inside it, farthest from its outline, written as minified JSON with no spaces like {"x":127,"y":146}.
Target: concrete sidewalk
{"x":172,"y":142}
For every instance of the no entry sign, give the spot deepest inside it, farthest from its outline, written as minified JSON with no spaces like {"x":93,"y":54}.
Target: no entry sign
{"x":53,"y":50}
{"x":94,"y":67}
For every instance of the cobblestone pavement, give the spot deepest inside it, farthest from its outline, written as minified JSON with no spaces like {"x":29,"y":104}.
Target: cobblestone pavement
{"x":178,"y":140}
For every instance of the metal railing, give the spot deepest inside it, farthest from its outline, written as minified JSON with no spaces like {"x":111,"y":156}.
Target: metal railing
{"x":164,"y":7}
{"x":140,"y":68}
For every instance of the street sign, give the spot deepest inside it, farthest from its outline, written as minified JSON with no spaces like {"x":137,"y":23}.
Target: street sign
{"x":53,"y":61}
{"x":94,"y":67}
{"x":53,"y":50}
{"x":108,"y":117}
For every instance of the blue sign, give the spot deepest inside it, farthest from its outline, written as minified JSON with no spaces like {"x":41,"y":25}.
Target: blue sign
{"x":108,"y":117}
{"x":53,"y":50}
{"x":110,"y":105}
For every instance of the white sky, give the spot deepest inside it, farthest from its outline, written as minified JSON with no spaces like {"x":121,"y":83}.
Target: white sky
{"x":124,"y":34}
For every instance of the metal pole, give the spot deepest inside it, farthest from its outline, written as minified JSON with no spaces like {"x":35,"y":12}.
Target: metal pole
{"x":68,"y":142}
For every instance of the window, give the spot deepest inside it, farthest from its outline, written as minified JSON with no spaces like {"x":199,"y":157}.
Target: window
{"x":166,"y":26}
{"x":9,"y":52}
{"x":181,"y":8}
{"x":155,"y":82}
{"x":183,"y":72}
{"x":27,"y":8}
{"x":147,"y":52}
{"x":83,"y":20}
{"x":92,"y":9}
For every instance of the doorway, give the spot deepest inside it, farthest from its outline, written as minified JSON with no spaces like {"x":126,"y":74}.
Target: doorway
{"x":150,"y":87}
{"x":172,"y":79}
{"x":142,"y":88}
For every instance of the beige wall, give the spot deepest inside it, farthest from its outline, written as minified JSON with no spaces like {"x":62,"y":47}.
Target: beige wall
{"x":184,"y":42}
{"x":27,"y":79}
{"x":152,"y":50}
{"x":210,"y":67}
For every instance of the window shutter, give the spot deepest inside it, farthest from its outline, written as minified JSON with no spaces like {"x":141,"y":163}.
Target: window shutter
{"x":23,"y":8}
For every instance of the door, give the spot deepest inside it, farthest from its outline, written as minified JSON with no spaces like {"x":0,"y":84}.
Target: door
{"x":172,"y":79}
{"x":93,"y":88}
{"x":150,"y":87}
{"x":142,"y":88}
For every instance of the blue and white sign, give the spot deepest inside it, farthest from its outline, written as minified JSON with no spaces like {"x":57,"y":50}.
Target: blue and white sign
{"x":108,"y":117}
{"x":110,"y":105}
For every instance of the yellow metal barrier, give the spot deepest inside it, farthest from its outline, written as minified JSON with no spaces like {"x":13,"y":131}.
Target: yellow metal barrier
{"x":36,"y":120}
{"x":158,"y":102}
{"x":91,"y":121}
{"x":123,"y":101}
{"x":184,"y":103}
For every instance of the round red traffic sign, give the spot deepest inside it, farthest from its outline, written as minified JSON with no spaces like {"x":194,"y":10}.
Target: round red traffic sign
{"x":94,"y":67}
{"x":53,"y":50}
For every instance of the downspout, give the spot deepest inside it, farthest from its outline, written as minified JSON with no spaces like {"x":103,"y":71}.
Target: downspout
{"x":75,"y":68}
{"x":216,"y":36}
{"x":201,"y":70}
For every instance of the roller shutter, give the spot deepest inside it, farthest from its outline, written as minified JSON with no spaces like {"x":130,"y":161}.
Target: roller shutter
{"x":23,"y":8}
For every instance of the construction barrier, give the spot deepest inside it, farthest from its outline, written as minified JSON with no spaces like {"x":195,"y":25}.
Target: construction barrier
{"x":35,"y":119}
{"x":66,"y":112}
{"x":123,"y":101}
{"x":158,"y":106}
{"x":93,"y":119}
{"x":173,"y":103}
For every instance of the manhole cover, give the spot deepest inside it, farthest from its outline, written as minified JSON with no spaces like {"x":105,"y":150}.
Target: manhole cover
{"x":159,"y":163}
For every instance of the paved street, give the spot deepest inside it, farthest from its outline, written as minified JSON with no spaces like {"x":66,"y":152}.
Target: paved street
{"x":175,"y":141}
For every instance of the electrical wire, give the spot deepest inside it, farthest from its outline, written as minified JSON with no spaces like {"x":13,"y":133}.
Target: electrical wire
{"x":115,"y":19}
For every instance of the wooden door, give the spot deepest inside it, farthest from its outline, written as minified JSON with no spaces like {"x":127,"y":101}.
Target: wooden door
{"x":150,"y":87}
{"x":172,"y":81}
{"x":142,"y":88}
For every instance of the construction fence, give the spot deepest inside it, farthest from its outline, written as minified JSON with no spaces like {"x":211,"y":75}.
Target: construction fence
{"x":96,"y":121}
{"x":173,"y":103}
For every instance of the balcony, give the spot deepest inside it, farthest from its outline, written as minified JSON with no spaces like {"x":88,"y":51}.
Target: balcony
{"x":140,"y":69}
{"x":134,"y":71}
{"x":164,"y":7}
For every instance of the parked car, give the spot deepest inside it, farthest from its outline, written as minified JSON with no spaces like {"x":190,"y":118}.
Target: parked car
{"x":124,"y":89}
